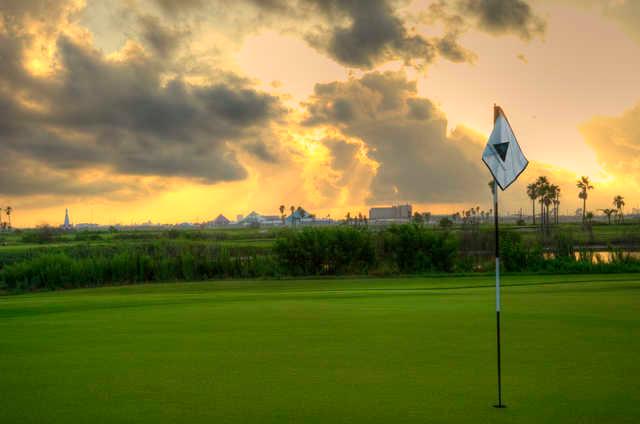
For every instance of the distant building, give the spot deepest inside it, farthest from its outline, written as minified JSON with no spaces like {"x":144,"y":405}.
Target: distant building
{"x":300,"y":216}
{"x":67,"y":223}
{"x":220,"y":221}
{"x":271,"y":220}
{"x":254,"y":218}
{"x":86,"y":226}
{"x":391,"y":213}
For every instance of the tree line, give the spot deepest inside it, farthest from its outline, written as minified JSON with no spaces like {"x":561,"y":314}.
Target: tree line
{"x":547,"y":196}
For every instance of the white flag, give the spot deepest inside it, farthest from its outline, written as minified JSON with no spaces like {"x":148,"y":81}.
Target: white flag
{"x":502,"y":155}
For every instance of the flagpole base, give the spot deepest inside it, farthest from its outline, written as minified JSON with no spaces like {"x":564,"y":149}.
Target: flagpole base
{"x":500,"y":406}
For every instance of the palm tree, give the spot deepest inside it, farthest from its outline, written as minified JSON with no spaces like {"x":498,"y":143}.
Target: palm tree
{"x":554,"y":194}
{"x":542,"y":187}
{"x":584,"y":185}
{"x":547,"y":201}
{"x":8,"y":210}
{"x":293,"y":209}
{"x":532,"y":192}
{"x":618,"y":202}
{"x":608,"y":212}
{"x":282,"y":208}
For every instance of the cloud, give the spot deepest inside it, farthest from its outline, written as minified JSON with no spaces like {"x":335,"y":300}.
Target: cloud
{"x":124,"y":116}
{"x":164,"y":40}
{"x":504,"y":16}
{"x":356,"y":33}
{"x":405,"y":134}
{"x":172,"y":7}
{"x":23,"y":178}
{"x":616,"y":142}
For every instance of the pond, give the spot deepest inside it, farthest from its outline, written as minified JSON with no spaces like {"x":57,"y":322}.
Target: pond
{"x":600,"y":256}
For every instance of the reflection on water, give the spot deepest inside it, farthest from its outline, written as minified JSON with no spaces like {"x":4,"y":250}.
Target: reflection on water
{"x":600,"y":256}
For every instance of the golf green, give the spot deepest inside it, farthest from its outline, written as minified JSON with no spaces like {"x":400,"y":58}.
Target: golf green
{"x":414,"y":350}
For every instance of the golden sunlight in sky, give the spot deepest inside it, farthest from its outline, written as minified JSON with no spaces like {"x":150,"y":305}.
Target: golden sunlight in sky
{"x":128,"y":111}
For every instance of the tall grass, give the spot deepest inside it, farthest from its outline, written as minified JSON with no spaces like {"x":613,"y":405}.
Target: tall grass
{"x":342,"y":250}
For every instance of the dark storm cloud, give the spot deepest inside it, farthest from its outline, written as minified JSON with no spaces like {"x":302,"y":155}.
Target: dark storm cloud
{"x":406,"y":135}
{"x":120,"y":116}
{"x":355,"y":33}
{"x":504,"y":16}
{"x":366,"y":33}
{"x":343,"y":153}
{"x":373,"y":33}
{"x":420,"y":108}
{"x":23,"y":178}
{"x":262,"y":151}
{"x":163,"y":39}
{"x":172,"y":7}
{"x":449,"y":48}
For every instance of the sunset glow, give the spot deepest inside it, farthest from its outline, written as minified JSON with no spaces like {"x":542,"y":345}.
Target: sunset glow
{"x":129,"y":111}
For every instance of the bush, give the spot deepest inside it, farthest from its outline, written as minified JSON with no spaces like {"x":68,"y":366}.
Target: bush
{"x":445,"y":223}
{"x":41,"y":235}
{"x":415,"y":249}
{"x":95,"y":266}
{"x":325,"y":251}
{"x":341,"y":250}
{"x":515,"y":255}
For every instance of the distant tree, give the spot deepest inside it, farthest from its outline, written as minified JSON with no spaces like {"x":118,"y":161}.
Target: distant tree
{"x":532,"y":192}
{"x":553,"y":196}
{"x":445,"y":223}
{"x":282,"y":216}
{"x":556,"y":202}
{"x":542,"y":188}
{"x":609,"y":212}
{"x":589,"y":217}
{"x":584,"y":185}
{"x":618,"y":202}
{"x":9,"y":209}
{"x":427,"y":217}
{"x":348,"y":218}
{"x":418,"y":218}
{"x":293,"y":209}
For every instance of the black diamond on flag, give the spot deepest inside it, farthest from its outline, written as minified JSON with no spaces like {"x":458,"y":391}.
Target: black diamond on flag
{"x":502,"y":149}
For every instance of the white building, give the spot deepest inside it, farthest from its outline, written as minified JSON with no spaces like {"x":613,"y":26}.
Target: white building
{"x":254,"y":218}
{"x":400,"y":213}
{"x":67,"y":223}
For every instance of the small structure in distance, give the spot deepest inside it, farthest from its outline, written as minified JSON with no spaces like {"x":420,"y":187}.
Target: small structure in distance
{"x":400,"y":213}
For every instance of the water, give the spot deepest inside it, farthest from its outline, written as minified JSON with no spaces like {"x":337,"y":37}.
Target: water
{"x":599,"y":256}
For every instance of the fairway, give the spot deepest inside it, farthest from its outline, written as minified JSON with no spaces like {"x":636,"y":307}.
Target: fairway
{"x":414,"y":350}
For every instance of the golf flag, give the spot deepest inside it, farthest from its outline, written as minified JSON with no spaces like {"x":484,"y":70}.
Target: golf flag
{"x":502,"y":155}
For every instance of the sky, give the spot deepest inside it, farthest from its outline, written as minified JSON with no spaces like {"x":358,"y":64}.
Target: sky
{"x":127,"y":111}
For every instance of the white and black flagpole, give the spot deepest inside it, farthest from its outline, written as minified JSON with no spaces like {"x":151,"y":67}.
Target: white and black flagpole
{"x":496,"y":215}
{"x":497,"y":237}
{"x":506,"y":162}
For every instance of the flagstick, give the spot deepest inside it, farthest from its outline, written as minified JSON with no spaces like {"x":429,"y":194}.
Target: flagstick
{"x":497,"y":236}
{"x":496,"y":112}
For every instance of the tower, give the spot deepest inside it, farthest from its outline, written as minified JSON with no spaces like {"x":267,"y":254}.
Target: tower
{"x":66,"y":224}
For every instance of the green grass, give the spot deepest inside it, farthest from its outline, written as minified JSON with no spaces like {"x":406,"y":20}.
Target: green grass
{"x":414,"y":350}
